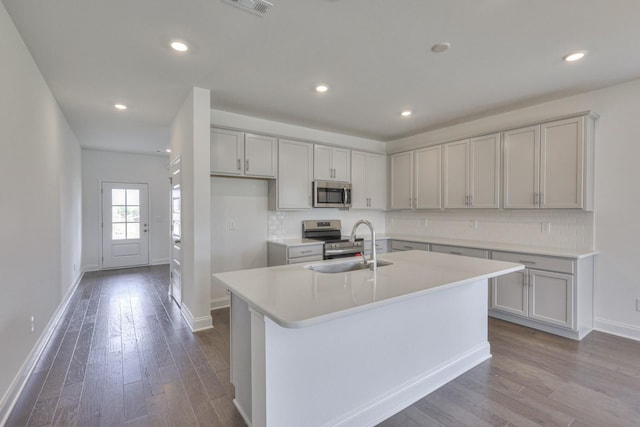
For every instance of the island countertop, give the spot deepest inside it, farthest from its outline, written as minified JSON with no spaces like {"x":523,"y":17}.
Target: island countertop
{"x":294,"y":296}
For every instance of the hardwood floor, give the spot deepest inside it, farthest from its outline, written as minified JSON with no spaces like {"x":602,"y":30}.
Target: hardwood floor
{"x":123,"y":356}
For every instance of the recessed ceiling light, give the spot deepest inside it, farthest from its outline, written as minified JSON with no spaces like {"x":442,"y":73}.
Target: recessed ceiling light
{"x":440,"y":47}
{"x":168,"y":150}
{"x":574,"y":56}
{"x":406,"y":113}
{"x":179,"y":46}
{"x":120,"y":106}
{"x":322,"y":88}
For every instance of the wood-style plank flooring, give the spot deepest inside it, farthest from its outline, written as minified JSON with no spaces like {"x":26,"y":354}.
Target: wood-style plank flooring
{"x":123,"y":356}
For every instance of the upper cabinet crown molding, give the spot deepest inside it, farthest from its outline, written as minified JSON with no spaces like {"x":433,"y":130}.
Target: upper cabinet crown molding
{"x":243,"y":154}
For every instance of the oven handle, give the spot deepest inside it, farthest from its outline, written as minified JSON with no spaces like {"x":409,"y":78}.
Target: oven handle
{"x":342,"y":251}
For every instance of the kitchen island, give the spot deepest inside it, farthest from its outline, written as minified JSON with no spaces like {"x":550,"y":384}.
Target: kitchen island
{"x":321,"y":349}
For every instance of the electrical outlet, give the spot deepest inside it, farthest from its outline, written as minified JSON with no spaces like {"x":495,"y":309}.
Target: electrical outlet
{"x":426,"y":223}
{"x":637,"y":304}
{"x":232,"y":224}
{"x":74,"y":267}
{"x":473,"y":224}
{"x":545,"y":227}
{"x":33,"y":323}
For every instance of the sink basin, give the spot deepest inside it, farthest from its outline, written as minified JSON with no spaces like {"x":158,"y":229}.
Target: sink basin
{"x":342,"y":267}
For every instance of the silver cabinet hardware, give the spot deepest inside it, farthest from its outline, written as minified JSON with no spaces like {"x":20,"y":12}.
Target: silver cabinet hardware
{"x":455,"y":253}
{"x":527,"y":262}
{"x":246,"y":165}
{"x":238,"y":164}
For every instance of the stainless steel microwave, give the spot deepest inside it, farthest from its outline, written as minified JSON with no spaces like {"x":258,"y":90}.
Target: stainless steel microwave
{"x":330,"y":194}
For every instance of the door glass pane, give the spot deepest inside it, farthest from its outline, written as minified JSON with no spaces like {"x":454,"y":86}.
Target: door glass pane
{"x":133,"y":214}
{"x":118,"y":196}
{"x":118,"y":231}
{"x":133,"y":231}
{"x":133,"y":197}
{"x":118,"y":214}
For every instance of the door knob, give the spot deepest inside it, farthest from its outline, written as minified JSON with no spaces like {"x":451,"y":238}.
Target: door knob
{"x":176,"y":241}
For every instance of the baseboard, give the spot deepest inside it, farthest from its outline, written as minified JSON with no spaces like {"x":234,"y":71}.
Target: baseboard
{"x":531,"y":323}
{"x":392,"y":402}
{"x":90,"y":267}
{"x":196,"y":323}
{"x":222,"y":302}
{"x":242,"y":413}
{"x":11,"y":396}
{"x":159,"y":261}
{"x":616,"y":328}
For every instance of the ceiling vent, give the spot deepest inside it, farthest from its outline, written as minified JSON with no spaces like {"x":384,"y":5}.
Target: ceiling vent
{"x":257,"y":7}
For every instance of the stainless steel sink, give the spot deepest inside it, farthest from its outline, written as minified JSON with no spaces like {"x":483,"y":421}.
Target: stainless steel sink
{"x":343,"y":267}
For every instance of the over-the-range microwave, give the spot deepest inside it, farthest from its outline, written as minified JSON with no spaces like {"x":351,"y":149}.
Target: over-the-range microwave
{"x":331,"y":194}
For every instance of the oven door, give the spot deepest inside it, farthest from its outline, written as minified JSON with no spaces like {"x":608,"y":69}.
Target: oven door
{"x":341,"y":253}
{"x":328,"y":194}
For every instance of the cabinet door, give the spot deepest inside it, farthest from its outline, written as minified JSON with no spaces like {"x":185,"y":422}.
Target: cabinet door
{"x":359,"y":195}
{"x":322,"y":163}
{"x":509,"y":293}
{"x":227,"y":151}
{"x":402,"y":180}
{"x":521,"y":151}
{"x":484,"y":172}
{"x":428,"y":175}
{"x":341,"y":164}
{"x":260,"y":155}
{"x":295,"y":166}
{"x":561,"y":164}
{"x":455,"y":170}
{"x":376,"y":181}
{"x":551,"y":297}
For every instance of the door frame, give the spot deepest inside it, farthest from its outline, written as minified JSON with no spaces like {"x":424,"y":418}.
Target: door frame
{"x":102,"y":219}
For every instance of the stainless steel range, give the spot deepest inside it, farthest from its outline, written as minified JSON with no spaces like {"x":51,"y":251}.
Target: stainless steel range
{"x":335,"y":244}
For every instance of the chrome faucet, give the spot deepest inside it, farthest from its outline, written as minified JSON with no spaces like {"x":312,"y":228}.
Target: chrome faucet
{"x":373,"y":260}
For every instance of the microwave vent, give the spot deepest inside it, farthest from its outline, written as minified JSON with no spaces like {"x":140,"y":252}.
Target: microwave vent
{"x":257,"y":7}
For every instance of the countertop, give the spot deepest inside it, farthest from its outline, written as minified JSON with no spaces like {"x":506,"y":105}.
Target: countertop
{"x":294,"y":296}
{"x":492,"y":246}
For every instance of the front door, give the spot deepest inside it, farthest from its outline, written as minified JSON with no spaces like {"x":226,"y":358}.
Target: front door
{"x":125,"y":230}
{"x":176,"y":233}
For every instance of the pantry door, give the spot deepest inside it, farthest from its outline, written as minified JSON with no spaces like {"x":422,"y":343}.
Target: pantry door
{"x":125,"y":225}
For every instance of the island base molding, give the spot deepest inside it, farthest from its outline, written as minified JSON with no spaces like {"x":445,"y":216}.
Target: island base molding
{"x":359,"y":369}
{"x":574,"y":334}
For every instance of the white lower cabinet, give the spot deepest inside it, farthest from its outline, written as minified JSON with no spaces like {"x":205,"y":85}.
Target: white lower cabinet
{"x":382,"y":246}
{"x":404,"y":245}
{"x":281,"y":254}
{"x":551,"y":294}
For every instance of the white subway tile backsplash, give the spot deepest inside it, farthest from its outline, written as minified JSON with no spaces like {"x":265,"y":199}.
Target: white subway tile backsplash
{"x":569,"y":229}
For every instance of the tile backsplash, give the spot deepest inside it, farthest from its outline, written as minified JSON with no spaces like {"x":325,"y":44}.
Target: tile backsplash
{"x":549,"y":228}
{"x":288,"y":224}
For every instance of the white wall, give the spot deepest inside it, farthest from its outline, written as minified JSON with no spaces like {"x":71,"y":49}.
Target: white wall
{"x":107,"y":166}
{"x":40,"y":208}
{"x":190,"y":140}
{"x":617,"y":204}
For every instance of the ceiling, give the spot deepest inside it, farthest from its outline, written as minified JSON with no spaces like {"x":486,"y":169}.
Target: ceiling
{"x":374,"y":54}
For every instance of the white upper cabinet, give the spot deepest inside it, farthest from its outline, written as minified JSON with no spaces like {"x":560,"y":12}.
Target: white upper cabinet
{"x":243,"y":154}
{"x":471,"y":170}
{"x":550,"y":165}
{"x":368,"y":181}
{"x":428,"y":178}
{"x":331,"y":163}
{"x":295,"y":175}
{"x":402,"y":180}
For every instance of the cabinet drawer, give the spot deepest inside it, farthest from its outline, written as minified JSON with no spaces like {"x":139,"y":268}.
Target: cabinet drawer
{"x":305,"y":251}
{"x":538,"y":262}
{"x":303,"y":259}
{"x":382,"y":246}
{"x":403,"y":245}
{"x":456,"y":250}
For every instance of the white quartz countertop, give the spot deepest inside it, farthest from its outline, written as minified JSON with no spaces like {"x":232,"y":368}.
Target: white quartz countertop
{"x":294,"y":296}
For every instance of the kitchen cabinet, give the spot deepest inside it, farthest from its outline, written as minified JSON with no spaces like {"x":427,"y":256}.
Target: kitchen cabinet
{"x":471,"y":173}
{"x":405,"y":245}
{"x":331,"y":163}
{"x":292,"y":188}
{"x":416,"y":179}
{"x":402,"y":180}
{"x":457,"y":250}
{"x":281,"y":254}
{"x":243,"y":154}
{"x":368,"y":181}
{"x":550,"y":166}
{"x":382,"y":246}
{"x":551,"y":294}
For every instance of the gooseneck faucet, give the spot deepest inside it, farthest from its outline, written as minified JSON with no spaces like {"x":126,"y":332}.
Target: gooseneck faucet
{"x":373,"y":260}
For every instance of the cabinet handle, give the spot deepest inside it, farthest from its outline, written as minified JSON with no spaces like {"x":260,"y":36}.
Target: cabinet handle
{"x":238,"y":164}
{"x":535,"y":198}
{"x":470,"y":200}
{"x":246,"y":165}
{"x":527,"y":262}
{"x":305,"y":252}
{"x":455,"y":253}
{"x":541,"y":196}
{"x":408,"y":247}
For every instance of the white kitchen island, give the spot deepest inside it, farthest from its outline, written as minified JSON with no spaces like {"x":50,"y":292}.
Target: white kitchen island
{"x":351,"y":349}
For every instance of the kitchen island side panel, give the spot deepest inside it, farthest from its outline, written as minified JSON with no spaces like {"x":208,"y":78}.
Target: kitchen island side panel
{"x":360,"y":369}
